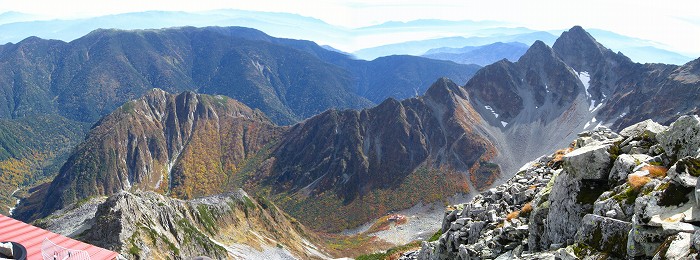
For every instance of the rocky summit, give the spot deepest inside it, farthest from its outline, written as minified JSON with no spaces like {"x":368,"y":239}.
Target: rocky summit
{"x":608,"y":195}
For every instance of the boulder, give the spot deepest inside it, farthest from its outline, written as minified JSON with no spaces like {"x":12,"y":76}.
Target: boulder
{"x":676,"y":247}
{"x":474,"y":231}
{"x":600,"y":135}
{"x":450,"y":215}
{"x":624,"y":165}
{"x":576,"y":188}
{"x":563,"y":209}
{"x":685,"y":171}
{"x":611,"y":207}
{"x":589,"y":162}
{"x":682,"y":138}
{"x":644,"y":240}
{"x":646,"y":128}
{"x":604,"y":234}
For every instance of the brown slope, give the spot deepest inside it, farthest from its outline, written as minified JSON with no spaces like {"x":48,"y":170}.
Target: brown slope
{"x":367,"y":163}
{"x":187,"y":145}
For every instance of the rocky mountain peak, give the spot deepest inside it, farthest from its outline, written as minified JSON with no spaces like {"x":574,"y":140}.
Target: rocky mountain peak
{"x":539,"y":53}
{"x":442,"y":90}
{"x":580,"y":50}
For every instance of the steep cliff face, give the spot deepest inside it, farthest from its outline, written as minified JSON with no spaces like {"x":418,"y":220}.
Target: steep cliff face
{"x":187,"y":145}
{"x":631,"y":195}
{"x":350,"y":158}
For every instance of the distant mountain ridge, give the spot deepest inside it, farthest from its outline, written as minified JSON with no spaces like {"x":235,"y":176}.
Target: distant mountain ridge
{"x":479,"y":55}
{"x":275,"y":75}
{"x":420,"y":47}
{"x":15,"y":27}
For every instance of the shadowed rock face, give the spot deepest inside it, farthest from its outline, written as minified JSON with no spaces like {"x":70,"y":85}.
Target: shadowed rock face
{"x":187,"y":145}
{"x":354,"y":152}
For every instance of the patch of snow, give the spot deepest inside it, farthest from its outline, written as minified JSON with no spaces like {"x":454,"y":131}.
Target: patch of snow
{"x":598,"y":106}
{"x":491,"y":109}
{"x":623,"y":115}
{"x":585,"y":79}
{"x":593,"y":120}
{"x":504,"y":123}
{"x":546,"y":88}
{"x":592,"y":105}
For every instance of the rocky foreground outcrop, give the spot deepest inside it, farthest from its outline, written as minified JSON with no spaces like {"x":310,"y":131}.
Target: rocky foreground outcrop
{"x":147,"y":225}
{"x":627,"y":195}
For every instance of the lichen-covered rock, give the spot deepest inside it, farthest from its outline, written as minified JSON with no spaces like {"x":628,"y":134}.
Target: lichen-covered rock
{"x":676,"y":247}
{"x":685,"y":172}
{"x":624,"y":165}
{"x":583,"y":180}
{"x":682,"y":138}
{"x":617,"y":203}
{"x":646,"y":128}
{"x":589,"y":162}
{"x":604,"y":234}
{"x":599,"y":136}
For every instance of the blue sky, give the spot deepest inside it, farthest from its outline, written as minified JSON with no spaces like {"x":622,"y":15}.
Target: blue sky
{"x":675,"y":24}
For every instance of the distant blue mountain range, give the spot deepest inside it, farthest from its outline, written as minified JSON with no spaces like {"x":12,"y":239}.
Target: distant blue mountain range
{"x":390,"y":38}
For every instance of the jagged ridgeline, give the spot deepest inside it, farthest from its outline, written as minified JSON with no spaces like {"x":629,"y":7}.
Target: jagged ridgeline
{"x":51,"y":92}
{"x":609,"y":195}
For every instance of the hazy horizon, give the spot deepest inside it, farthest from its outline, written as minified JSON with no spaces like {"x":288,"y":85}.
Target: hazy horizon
{"x":675,"y":26}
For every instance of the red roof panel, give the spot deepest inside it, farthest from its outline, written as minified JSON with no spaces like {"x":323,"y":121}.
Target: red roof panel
{"x":31,"y":237}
